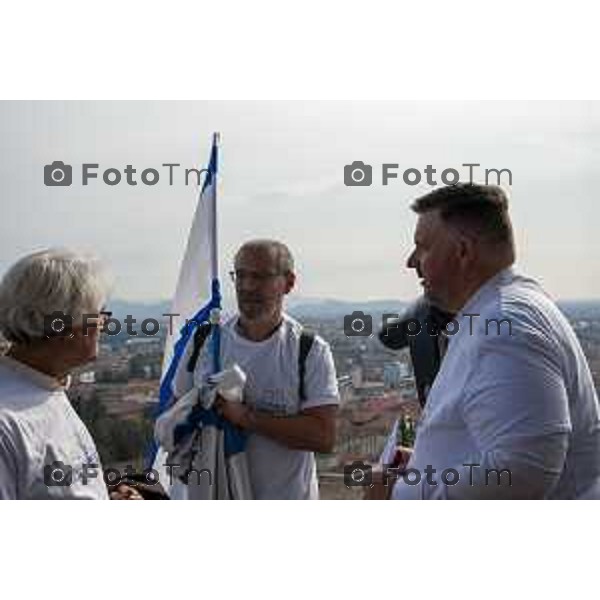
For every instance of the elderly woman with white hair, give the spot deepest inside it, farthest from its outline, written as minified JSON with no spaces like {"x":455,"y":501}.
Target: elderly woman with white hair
{"x":45,"y":449}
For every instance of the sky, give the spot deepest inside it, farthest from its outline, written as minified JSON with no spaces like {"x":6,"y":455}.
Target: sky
{"x":282,"y":176}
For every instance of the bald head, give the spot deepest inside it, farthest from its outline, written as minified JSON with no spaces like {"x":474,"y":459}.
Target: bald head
{"x":277,"y":252}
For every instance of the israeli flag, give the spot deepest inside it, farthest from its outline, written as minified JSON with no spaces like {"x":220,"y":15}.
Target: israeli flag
{"x":198,"y":437}
{"x":197,"y":300}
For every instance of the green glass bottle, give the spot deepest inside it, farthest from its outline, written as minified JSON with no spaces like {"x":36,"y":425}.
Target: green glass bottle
{"x":401,"y":435}
{"x":410,"y":433}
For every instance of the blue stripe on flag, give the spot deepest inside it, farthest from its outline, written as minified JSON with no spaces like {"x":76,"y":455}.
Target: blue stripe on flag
{"x":186,"y":332}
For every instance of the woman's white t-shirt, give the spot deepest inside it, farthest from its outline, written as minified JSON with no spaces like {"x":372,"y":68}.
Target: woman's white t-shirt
{"x":46,"y":452}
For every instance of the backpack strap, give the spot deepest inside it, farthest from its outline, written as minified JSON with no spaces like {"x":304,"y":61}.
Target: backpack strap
{"x":200,"y":335}
{"x":306,"y":342}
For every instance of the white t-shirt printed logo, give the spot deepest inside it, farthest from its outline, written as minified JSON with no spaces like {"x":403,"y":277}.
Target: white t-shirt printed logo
{"x":276,"y":401}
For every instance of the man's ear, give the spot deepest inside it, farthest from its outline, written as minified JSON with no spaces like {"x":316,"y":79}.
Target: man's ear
{"x":290,"y":281}
{"x":468,"y":250}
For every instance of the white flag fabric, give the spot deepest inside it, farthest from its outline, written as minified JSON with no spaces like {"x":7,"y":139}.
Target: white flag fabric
{"x":199,"y":268}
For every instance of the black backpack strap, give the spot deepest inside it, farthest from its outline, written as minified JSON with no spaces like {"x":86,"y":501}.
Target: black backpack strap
{"x":200,"y":335}
{"x":306,"y":342}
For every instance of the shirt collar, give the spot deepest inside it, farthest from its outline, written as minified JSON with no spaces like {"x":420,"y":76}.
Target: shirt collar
{"x":36,"y":377}
{"x":277,"y":331}
{"x":490,"y":284}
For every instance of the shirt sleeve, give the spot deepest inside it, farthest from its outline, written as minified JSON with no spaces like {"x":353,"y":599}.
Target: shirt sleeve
{"x":320,"y":381}
{"x":516,"y":411}
{"x":8,"y":467}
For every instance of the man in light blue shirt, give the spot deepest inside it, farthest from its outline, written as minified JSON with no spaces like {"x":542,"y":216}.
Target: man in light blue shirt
{"x":513,"y":412}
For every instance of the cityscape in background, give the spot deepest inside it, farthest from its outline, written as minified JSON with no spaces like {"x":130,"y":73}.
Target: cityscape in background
{"x":117,"y":395}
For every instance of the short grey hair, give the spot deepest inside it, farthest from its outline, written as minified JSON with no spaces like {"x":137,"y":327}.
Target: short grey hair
{"x":283,"y":257}
{"x":42,"y":283}
{"x":483,"y":209}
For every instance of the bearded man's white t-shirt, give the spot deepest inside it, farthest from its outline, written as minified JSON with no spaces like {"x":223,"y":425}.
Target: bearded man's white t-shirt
{"x":272,"y":386}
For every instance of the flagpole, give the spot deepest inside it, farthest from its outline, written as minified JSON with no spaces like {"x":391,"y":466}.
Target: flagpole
{"x":215,"y":315}
{"x":215,"y":258}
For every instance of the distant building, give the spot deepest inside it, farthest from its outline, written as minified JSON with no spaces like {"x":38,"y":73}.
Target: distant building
{"x":369,"y":389}
{"x":345,"y":388}
{"x":394,"y":373}
{"x":144,"y":345}
{"x":87,"y":377}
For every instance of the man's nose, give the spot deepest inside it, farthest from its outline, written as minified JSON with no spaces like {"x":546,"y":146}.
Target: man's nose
{"x":411,"y":262}
{"x":246,"y":283}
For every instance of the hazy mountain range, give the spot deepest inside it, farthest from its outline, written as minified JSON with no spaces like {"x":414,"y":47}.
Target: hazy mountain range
{"x":330,"y":309}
